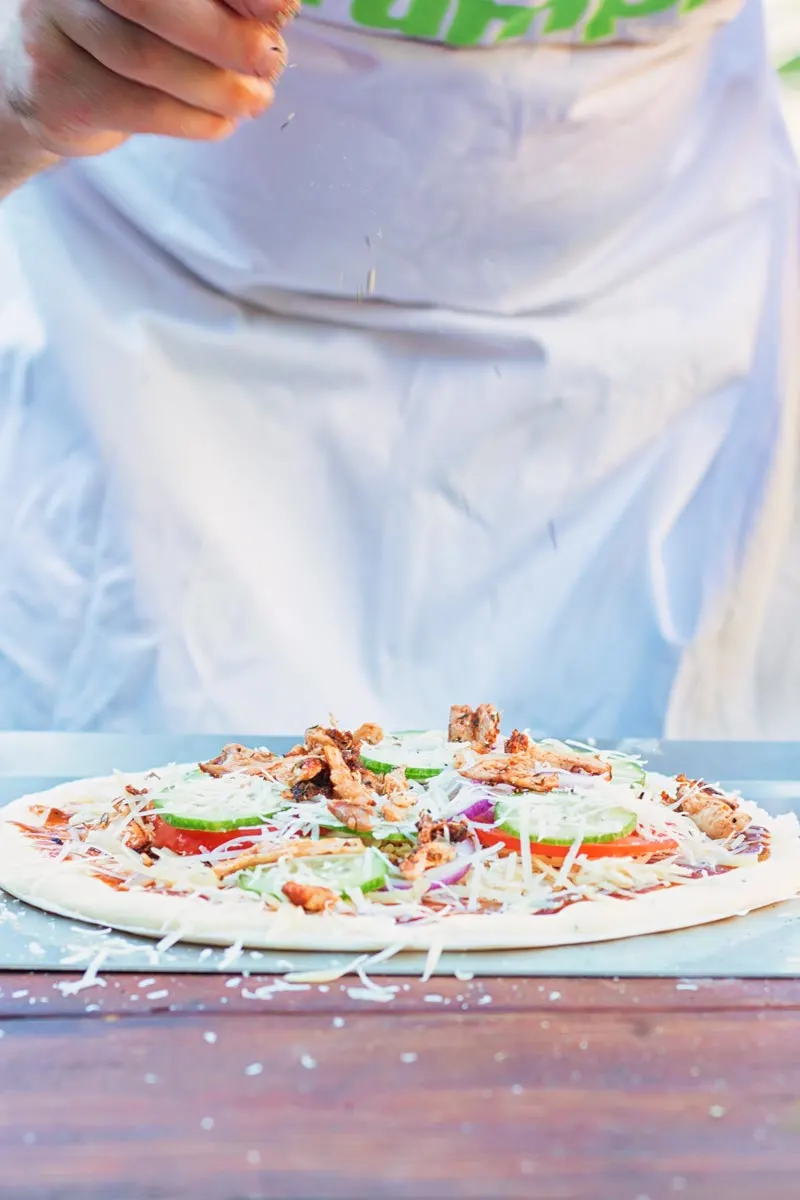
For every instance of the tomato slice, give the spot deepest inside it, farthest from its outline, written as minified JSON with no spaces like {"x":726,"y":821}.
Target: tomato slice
{"x":196,"y":841}
{"x":634,"y":846}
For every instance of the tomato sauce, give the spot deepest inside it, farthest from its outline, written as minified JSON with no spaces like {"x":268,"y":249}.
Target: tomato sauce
{"x":50,"y":841}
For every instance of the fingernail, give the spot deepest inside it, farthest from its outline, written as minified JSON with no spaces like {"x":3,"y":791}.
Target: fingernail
{"x":262,"y":96}
{"x":271,"y":55}
{"x":288,"y":13}
{"x":223,"y":131}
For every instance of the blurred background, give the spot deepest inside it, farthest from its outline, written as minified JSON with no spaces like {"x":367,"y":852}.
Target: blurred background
{"x":783,"y":24}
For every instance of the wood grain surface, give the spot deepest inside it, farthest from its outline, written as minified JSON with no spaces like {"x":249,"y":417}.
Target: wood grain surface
{"x":543,"y":1089}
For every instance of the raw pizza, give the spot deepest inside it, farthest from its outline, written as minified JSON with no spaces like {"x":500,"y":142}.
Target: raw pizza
{"x":364,"y":840}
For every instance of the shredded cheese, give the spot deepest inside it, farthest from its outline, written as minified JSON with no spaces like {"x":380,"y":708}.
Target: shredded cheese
{"x":562,"y":878}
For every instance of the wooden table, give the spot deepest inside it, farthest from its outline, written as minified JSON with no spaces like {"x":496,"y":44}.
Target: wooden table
{"x":551,"y":1090}
{"x":184,"y":1089}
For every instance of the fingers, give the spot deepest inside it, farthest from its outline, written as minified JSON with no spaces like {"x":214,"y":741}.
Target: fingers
{"x":77,"y":98}
{"x":211,"y":31}
{"x":92,"y":72}
{"x":135,"y":54}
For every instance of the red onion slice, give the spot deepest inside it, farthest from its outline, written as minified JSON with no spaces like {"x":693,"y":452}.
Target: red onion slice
{"x":480,"y":810}
{"x":446,"y":875}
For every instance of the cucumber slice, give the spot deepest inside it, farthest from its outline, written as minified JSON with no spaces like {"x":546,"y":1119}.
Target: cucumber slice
{"x":205,"y":826}
{"x":625,"y":771}
{"x":375,"y":835}
{"x":339,"y":872}
{"x":423,"y":755}
{"x":549,"y":827}
{"x":217,"y":805}
{"x":383,"y":768}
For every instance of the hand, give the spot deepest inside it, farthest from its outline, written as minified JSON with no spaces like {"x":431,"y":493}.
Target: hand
{"x":83,"y":75}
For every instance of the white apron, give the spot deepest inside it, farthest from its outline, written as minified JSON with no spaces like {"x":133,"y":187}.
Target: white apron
{"x":468,"y":373}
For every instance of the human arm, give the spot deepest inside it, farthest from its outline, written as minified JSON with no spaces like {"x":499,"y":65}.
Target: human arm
{"x":78,"y":77}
